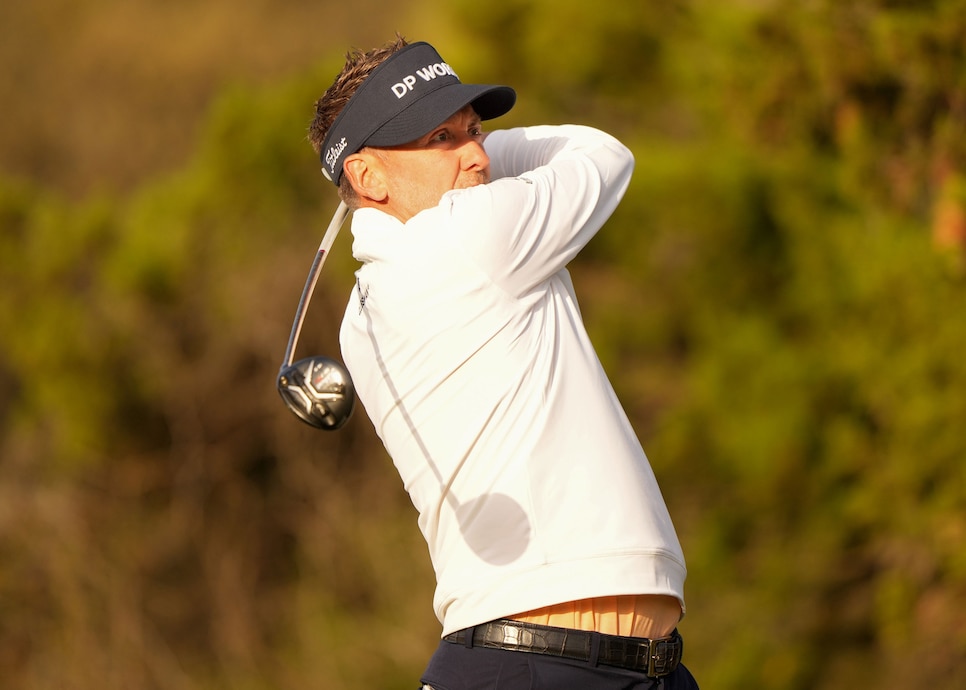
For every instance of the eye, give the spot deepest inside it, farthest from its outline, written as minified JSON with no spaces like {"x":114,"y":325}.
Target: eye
{"x":441,"y":135}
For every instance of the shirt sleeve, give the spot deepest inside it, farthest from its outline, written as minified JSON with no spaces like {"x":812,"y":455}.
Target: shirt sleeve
{"x":552,"y":189}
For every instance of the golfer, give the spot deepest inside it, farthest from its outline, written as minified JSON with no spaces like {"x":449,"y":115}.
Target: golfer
{"x":557,"y":564}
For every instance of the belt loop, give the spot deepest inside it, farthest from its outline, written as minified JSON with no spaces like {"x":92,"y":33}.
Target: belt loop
{"x":468,"y":641}
{"x":595,"y":639}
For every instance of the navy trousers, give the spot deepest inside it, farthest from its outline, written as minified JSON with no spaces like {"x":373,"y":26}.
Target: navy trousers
{"x":456,"y":667}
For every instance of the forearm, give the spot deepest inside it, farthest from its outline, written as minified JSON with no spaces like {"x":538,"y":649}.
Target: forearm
{"x":514,"y":152}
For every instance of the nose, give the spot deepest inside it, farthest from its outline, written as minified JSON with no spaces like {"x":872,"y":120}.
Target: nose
{"x":474,"y":156}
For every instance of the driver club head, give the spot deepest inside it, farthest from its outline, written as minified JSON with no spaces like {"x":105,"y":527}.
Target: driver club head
{"x":319,"y":391}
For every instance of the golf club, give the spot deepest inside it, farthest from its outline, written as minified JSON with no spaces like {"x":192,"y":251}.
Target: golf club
{"x":317,"y":389}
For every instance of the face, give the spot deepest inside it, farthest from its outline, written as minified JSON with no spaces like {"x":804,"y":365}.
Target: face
{"x":413,"y":177}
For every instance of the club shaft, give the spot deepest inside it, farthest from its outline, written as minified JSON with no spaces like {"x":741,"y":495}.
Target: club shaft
{"x":328,"y":239}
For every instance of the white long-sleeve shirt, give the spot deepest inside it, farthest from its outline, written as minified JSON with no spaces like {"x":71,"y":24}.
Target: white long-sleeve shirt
{"x":466,"y":346}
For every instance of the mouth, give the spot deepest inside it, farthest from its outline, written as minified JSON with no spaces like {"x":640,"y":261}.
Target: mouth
{"x":473,"y":179}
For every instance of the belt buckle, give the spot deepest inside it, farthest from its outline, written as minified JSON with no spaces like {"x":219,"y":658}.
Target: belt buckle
{"x":663,"y":655}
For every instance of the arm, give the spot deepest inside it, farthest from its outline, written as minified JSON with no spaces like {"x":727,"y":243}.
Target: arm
{"x":553,"y":188}
{"x":517,"y":151}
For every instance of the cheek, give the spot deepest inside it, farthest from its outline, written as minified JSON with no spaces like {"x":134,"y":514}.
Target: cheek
{"x":422,"y":182}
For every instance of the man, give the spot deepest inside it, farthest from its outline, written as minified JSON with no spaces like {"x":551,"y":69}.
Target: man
{"x":557,"y":564}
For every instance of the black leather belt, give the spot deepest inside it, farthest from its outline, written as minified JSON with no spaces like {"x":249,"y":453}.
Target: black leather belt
{"x":656,"y":658}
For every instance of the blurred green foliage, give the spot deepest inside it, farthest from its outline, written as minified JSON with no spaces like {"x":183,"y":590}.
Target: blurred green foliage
{"x":777,"y":300}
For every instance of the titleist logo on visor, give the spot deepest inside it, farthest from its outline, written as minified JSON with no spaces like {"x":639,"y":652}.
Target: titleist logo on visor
{"x":332,"y":155}
{"x":402,"y":99}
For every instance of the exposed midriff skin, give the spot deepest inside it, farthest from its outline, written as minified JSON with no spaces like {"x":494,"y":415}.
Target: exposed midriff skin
{"x":641,"y":615}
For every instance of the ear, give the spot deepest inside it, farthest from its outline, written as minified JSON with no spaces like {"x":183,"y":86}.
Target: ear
{"x":365,"y":174}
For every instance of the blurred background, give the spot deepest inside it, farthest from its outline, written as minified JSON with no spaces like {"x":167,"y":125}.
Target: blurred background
{"x":778,"y":300}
